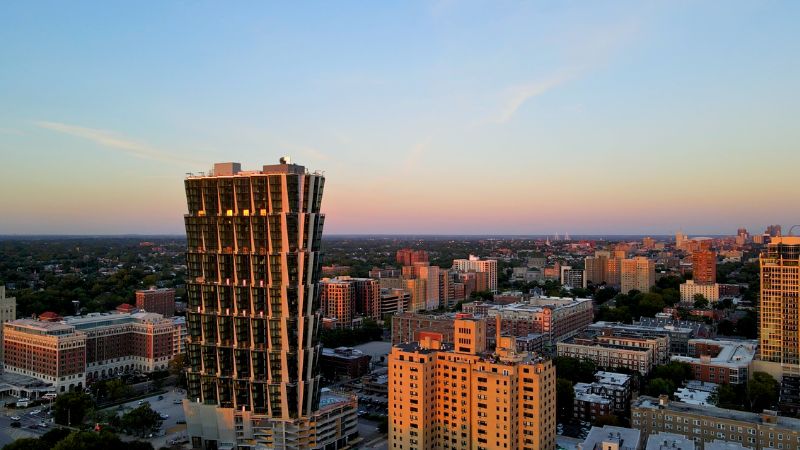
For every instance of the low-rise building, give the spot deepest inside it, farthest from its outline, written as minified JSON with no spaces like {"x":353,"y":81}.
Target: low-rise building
{"x":669,"y":441}
{"x":705,"y":424}
{"x":588,"y":406}
{"x":609,"y":394}
{"x":609,"y":356}
{"x":720,"y":361}
{"x":708,"y":290}
{"x":611,"y":438}
{"x":555,"y":317}
{"x":678,"y":336}
{"x":343,"y":362}
{"x":405,"y":326}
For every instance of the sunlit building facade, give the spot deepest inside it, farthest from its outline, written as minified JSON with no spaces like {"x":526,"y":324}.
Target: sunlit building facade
{"x":461,"y":397}
{"x":779,"y":312}
{"x":253,"y":309}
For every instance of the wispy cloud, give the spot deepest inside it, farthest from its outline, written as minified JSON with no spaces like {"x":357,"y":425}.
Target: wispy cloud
{"x":111,"y":140}
{"x":518,"y":95}
{"x":591,"y":51}
{"x":416,"y":153}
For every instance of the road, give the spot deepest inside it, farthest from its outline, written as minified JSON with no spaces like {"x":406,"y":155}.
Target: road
{"x":29,"y":424}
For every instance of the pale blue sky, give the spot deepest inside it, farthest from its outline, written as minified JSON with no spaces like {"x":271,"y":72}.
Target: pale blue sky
{"x":427,"y":117}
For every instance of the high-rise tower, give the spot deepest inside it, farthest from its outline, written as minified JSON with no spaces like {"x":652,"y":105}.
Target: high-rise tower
{"x":253,"y":308}
{"x":779,"y":311}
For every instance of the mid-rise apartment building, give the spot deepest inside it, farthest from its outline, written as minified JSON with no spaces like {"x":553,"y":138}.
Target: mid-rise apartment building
{"x":678,"y":335}
{"x":690,"y":288}
{"x":476,"y":264}
{"x":8,"y":312}
{"x":556,"y":317}
{"x":345,"y":298}
{"x":74,"y":351}
{"x":608,"y":356}
{"x":407,"y":326}
{"x":52,"y":352}
{"x":408,"y":256}
{"x":394,"y":301}
{"x":462,"y":397}
{"x":704,"y":267}
{"x":573,"y":278}
{"x":603,"y":267}
{"x":720,"y":361}
{"x":159,"y":301}
{"x":705,"y":424}
{"x":638,"y":274}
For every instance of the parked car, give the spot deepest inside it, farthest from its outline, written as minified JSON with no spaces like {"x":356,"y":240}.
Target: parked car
{"x":15,"y":424}
{"x":178,"y":402}
{"x":35,"y":412}
{"x":161,"y":397}
{"x":15,"y":418}
{"x":164,"y":416}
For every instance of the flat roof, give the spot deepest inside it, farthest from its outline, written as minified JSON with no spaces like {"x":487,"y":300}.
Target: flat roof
{"x":669,"y":441}
{"x":625,"y":438}
{"x":611,"y":378}
{"x":41,"y":327}
{"x":712,"y":411}
{"x":731,"y":354}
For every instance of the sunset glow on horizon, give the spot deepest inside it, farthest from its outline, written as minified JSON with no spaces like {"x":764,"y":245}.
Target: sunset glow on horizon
{"x":446,"y":117}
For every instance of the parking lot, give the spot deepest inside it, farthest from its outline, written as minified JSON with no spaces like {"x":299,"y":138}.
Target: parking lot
{"x":169,"y":405}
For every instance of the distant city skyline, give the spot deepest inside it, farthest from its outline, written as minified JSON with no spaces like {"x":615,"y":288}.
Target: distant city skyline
{"x":442,"y":117}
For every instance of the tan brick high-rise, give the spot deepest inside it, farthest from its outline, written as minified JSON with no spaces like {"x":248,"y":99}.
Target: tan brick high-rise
{"x":779,"y":310}
{"x":462,"y":397}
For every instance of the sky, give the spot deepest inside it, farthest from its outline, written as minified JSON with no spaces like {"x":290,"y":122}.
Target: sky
{"x":443,"y":117}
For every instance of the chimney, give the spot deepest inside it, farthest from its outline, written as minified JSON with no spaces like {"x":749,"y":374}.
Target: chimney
{"x":663,"y":400}
{"x":498,"y":323}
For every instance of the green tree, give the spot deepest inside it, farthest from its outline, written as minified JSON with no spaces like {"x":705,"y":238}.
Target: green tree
{"x":674,"y":371}
{"x":650,"y":304}
{"x":27,"y":444}
{"x":71,"y":408}
{"x":725,"y":303}
{"x":726,"y":328}
{"x":177,"y":364}
{"x":141,"y":420}
{"x":575,"y":370}
{"x":747,"y":326}
{"x":565,"y":398}
{"x":659,"y":386}
{"x":604,"y":294}
{"x":762,"y":392}
{"x":700,"y":301}
{"x":729,"y":396}
{"x":118,"y":389}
